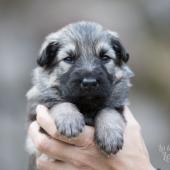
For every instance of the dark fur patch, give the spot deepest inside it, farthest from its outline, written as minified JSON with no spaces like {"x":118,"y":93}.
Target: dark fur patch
{"x":48,"y":55}
{"x":121,"y":54}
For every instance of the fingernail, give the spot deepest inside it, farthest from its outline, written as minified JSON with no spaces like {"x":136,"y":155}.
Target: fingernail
{"x":40,"y":108}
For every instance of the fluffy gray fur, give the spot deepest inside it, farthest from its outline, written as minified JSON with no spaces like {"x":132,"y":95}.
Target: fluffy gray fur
{"x":79,"y":51}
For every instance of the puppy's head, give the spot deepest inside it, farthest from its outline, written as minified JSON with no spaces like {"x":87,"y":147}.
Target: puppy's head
{"x":83,"y":62}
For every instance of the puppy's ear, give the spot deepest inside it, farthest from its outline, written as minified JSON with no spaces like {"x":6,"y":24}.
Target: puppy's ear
{"x":121,"y":54}
{"x":48,"y":54}
{"x":120,"y":51}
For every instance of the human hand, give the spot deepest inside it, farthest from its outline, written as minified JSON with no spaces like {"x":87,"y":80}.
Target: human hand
{"x":82,"y":153}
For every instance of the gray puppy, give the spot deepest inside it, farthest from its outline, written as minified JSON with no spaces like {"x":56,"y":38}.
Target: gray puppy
{"x":83,"y":78}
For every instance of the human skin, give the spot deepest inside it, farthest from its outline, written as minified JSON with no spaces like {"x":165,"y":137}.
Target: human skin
{"x":81,"y":152}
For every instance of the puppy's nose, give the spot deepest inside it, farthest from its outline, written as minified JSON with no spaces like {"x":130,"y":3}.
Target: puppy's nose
{"x":89,"y":82}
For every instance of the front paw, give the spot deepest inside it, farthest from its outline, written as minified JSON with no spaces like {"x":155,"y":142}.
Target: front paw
{"x":70,"y":125}
{"x":110,"y":141}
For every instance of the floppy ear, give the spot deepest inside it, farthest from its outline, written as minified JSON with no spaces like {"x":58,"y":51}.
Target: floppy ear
{"x":48,"y":54}
{"x":120,"y":51}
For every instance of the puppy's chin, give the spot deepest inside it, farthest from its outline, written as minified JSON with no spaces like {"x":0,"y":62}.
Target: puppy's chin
{"x":88,"y":97}
{"x":75,"y":94}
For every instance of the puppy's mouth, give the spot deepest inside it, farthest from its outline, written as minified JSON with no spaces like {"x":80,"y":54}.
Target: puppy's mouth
{"x":89,"y":97}
{"x":90,"y":93}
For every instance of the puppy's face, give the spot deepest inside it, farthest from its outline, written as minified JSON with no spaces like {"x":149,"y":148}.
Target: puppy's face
{"x":83,"y":61}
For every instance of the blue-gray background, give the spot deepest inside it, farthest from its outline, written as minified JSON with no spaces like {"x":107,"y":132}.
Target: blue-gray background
{"x":143,"y":27}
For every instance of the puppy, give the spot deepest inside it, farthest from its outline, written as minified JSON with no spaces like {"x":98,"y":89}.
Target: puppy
{"x":83,"y":68}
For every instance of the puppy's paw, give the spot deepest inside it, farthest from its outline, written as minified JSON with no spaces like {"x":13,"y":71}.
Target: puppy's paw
{"x":70,"y":124}
{"x":110,"y":141}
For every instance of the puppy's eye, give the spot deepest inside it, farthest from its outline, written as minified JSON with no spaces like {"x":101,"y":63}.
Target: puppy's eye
{"x":105,"y":58}
{"x":69,"y":60}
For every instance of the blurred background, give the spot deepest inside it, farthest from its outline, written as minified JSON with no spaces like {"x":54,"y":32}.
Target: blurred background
{"x":143,"y":26}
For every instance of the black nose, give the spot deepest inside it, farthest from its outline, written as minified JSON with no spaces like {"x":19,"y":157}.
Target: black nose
{"x":89,"y":83}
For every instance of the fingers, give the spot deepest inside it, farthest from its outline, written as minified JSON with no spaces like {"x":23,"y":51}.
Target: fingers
{"x":45,"y":121}
{"x":132,"y":135}
{"x":53,"y":165}
{"x":131,"y":121}
{"x":86,"y":137}
{"x":43,"y":163}
{"x":54,"y":148}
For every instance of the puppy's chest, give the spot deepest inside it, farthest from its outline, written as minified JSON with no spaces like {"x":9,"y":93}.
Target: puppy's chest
{"x":90,"y":118}
{"x":89,"y":111}
{"x":89,"y":108}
